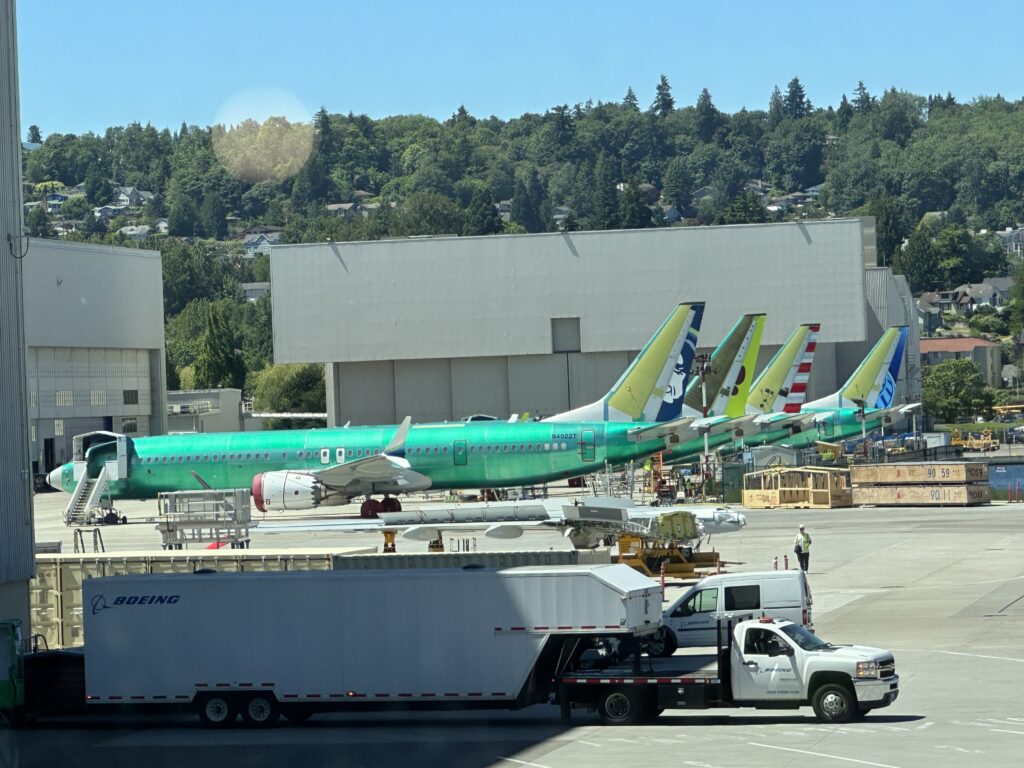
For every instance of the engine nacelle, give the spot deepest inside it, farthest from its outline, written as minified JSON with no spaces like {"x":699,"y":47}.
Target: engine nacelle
{"x":291,"y":490}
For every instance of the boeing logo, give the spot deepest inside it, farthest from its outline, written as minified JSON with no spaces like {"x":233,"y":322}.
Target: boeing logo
{"x":99,"y":602}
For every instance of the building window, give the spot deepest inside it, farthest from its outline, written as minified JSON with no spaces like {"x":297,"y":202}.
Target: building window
{"x":65,"y":398}
{"x":58,"y":427}
{"x":98,"y":397}
{"x":32,"y":430}
{"x":565,"y":334}
{"x":130,"y":425}
{"x":131,"y":397}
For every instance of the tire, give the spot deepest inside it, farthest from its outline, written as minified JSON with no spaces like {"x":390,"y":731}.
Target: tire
{"x":834,"y":703}
{"x":621,"y":706}
{"x":217,"y":711}
{"x":860,"y":714}
{"x":260,"y":711}
{"x":662,"y":644}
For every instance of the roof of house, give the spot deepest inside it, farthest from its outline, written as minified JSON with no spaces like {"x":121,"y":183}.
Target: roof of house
{"x":954,"y":345}
{"x":1001,"y":284}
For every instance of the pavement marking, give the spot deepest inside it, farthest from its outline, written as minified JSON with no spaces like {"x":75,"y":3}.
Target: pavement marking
{"x":628,"y":741}
{"x":1003,"y":730}
{"x":958,"y":653}
{"x":588,"y":743}
{"x":521,"y":762}
{"x":926,"y":725}
{"x":822,"y":754}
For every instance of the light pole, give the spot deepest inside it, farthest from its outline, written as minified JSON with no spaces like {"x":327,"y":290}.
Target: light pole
{"x":702,"y":367}
{"x":863,"y":425}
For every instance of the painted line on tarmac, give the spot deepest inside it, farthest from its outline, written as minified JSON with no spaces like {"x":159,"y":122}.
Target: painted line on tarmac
{"x":589,"y":743}
{"x":521,"y":762}
{"x":926,"y":725}
{"x":959,"y":653}
{"x":1003,"y":730}
{"x":822,"y":754}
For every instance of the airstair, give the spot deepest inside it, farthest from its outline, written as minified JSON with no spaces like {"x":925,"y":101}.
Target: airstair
{"x":87,"y":499}
{"x":90,"y":499}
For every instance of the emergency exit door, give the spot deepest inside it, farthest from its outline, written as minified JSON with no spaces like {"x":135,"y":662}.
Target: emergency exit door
{"x":588,"y":447}
{"x":459,"y":453}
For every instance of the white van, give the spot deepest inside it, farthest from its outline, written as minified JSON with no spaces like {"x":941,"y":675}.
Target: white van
{"x":692,"y":620}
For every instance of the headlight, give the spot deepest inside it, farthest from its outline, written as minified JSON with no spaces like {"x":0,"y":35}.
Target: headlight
{"x":867,"y":669}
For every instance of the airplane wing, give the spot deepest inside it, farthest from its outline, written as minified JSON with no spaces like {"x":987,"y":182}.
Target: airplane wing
{"x":498,"y":531}
{"x":674,"y":431}
{"x":389,"y":466}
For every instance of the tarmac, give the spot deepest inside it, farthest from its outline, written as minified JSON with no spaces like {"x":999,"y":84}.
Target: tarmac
{"x":943,"y":588}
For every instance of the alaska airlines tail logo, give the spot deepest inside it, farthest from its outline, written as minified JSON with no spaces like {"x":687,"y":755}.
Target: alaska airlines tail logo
{"x":675,"y":390}
{"x":884,"y":399}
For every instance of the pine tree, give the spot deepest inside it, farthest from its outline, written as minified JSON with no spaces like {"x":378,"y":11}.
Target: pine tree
{"x":218,"y":364}
{"x":605,"y":204}
{"x":38,"y":222}
{"x":775,"y":108}
{"x":34,"y":136}
{"x":677,"y":184}
{"x":629,"y":100}
{"x":528,"y":202}
{"x":707,"y":116}
{"x":482,"y":217}
{"x":212,"y":217}
{"x":97,"y":188}
{"x":633,"y":210}
{"x":663,"y":101}
{"x":862,"y":100}
{"x":843,"y":115}
{"x":183,"y":217}
{"x":795,"y":104}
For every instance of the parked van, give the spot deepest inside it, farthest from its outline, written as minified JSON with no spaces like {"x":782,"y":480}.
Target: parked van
{"x":692,"y":620}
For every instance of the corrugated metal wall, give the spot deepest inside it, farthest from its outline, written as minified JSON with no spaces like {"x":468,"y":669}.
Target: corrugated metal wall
{"x":16,"y":558}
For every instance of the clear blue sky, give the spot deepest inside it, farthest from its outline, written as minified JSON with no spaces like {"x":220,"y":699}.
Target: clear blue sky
{"x":88,"y":65}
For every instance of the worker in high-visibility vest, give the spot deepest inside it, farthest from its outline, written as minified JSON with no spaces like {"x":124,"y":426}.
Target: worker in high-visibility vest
{"x":802,"y":548}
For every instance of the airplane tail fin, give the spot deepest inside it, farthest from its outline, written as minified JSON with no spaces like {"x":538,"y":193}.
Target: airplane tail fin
{"x":782,"y":385}
{"x":652,"y":387}
{"x":874,"y":381}
{"x":732,"y":366}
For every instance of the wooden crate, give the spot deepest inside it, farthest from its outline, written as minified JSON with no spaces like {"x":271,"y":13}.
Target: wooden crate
{"x":927,"y":473}
{"x":797,"y":488}
{"x":921,"y":495}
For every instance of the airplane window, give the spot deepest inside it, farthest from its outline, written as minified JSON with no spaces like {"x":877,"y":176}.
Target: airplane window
{"x":197,"y":457}
{"x":564,"y":446}
{"x":206,"y":457}
{"x":284,"y":454}
{"x":505,"y":449}
{"x":522,"y":447}
{"x":446,"y":449}
{"x":376,"y":451}
{"x":215,"y":457}
{"x":248,"y":456}
{"x":547,"y":446}
{"x":223,"y":457}
{"x":351,"y":453}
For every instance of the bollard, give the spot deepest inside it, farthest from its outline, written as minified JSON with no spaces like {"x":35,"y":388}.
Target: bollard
{"x":775,"y":562}
{"x":662,"y":569}
{"x":785,"y":560}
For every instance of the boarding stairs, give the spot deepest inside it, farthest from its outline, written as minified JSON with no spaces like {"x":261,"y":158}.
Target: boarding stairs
{"x":88,"y":496}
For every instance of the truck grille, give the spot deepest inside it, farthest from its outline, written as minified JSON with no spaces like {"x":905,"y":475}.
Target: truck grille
{"x":887,"y":667}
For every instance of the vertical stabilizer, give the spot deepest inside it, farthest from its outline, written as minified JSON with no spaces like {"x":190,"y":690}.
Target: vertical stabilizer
{"x":732,"y":365}
{"x":782,"y":385}
{"x":874,"y":381}
{"x":652,"y":387}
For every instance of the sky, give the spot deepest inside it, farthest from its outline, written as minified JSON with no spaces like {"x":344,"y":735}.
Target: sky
{"x":85,"y":66}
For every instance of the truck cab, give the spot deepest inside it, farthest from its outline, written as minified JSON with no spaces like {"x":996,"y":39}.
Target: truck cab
{"x":781,"y":663}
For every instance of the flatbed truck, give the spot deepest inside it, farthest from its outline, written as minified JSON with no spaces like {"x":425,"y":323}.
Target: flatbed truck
{"x":262,"y":645}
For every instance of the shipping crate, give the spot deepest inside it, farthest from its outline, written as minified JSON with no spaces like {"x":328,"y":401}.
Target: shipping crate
{"x":929,"y":473}
{"x":921,"y":495}
{"x":797,"y":488}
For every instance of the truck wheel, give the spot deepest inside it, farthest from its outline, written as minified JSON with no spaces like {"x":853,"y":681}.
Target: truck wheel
{"x":217,"y":711}
{"x":662,"y":644}
{"x":834,"y":703}
{"x":620,"y":707}
{"x":260,"y":711}
{"x":298,"y":714}
{"x":860,"y":714}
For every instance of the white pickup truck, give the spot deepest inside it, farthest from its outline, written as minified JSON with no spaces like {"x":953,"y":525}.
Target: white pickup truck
{"x":761,"y":663}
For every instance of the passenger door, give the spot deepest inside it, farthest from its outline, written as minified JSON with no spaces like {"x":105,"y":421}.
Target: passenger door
{"x":694,"y":620}
{"x":765,"y":668}
{"x":459,"y":453}
{"x":587,"y":445}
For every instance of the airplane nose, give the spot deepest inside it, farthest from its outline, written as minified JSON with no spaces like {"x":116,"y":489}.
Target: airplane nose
{"x":53,"y":479}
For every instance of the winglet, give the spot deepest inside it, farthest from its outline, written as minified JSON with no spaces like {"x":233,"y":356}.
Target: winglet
{"x":397,"y":445}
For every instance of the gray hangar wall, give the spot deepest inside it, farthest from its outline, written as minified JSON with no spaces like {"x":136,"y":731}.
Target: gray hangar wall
{"x":440,"y":328}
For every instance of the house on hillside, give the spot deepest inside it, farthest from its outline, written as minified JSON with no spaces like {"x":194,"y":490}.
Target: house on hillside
{"x":702,"y":193}
{"x":1002,"y":286}
{"x":260,"y":243}
{"x":130,"y":196}
{"x":1012,"y":240}
{"x":986,"y":354}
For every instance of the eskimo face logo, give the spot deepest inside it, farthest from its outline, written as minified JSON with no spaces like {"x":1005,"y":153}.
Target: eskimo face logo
{"x":99,"y":602}
{"x":884,"y":398}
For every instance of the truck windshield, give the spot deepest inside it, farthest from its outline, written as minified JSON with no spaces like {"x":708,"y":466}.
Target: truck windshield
{"x":805,"y":639}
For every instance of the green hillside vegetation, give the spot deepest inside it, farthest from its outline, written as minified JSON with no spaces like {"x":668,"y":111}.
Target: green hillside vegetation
{"x":897,"y":156}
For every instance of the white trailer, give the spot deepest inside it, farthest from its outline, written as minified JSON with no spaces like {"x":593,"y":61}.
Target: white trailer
{"x":260,"y":644}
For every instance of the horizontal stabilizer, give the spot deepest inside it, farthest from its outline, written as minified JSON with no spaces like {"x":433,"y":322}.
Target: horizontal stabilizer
{"x":676,"y":431}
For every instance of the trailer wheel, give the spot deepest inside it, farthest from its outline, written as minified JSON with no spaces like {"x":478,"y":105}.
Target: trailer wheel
{"x":297,"y":713}
{"x":834,"y":703}
{"x":260,"y":711}
{"x":620,"y":706}
{"x":217,"y":711}
{"x":662,"y":643}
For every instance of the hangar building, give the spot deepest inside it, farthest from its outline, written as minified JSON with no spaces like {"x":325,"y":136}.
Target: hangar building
{"x":440,"y":328}
{"x":94,"y":328}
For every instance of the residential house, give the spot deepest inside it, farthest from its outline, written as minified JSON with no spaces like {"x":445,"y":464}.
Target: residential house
{"x":161,"y":227}
{"x":702,"y":193}
{"x":929,"y":316}
{"x":54,"y":200}
{"x":1002,"y":286}
{"x":970,"y":296}
{"x":1013,"y":240}
{"x":986,"y":354}
{"x":559,"y":214}
{"x":132,"y":232}
{"x":360,"y":195}
{"x":342,"y":210}
{"x":130,"y":196}
{"x":260,"y":243}
{"x":255,"y":291}
{"x":108,"y":212}
{"x":671,"y":215}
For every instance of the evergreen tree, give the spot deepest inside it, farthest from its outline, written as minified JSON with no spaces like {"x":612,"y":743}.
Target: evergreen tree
{"x":218,"y":364}
{"x":745,"y":208}
{"x":212,"y":218}
{"x":183,"y":217}
{"x":97,"y":189}
{"x":605,"y":204}
{"x":629,"y":100}
{"x":795,"y":104}
{"x":663,"y":101}
{"x":482,"y":217}
{"x":570,"y":223}
{"x":889,"y":229}
{"x":775,"y":108}
{"x":677,"y":184}
{"x":918,"y":262}
{"x":862,"y":100}
{"x":707,"y":116}
{"x":528,"y":202}
{"x":843,"y":115}
{"x":633,"y":210}
{"x":34,"y":136}
{"x":38,"y":222}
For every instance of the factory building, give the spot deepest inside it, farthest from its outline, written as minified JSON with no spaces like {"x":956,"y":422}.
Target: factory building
{"x":94,"y":329}
{"x":441,"y":328}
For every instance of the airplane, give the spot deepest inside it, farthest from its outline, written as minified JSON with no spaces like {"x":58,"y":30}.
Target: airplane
{"x":306,"y":469}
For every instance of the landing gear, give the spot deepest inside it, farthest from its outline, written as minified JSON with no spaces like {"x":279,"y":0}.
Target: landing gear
{"x":391,"y":504}
{"x":370,"y":508}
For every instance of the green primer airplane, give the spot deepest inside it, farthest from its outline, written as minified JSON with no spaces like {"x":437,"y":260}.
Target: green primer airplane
{"x":305,"y":469}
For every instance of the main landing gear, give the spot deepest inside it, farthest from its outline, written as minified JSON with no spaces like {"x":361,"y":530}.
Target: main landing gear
{"x":372,"y":508}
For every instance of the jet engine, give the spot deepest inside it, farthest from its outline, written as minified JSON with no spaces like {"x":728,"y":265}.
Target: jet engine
{"x":292,"y":490}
